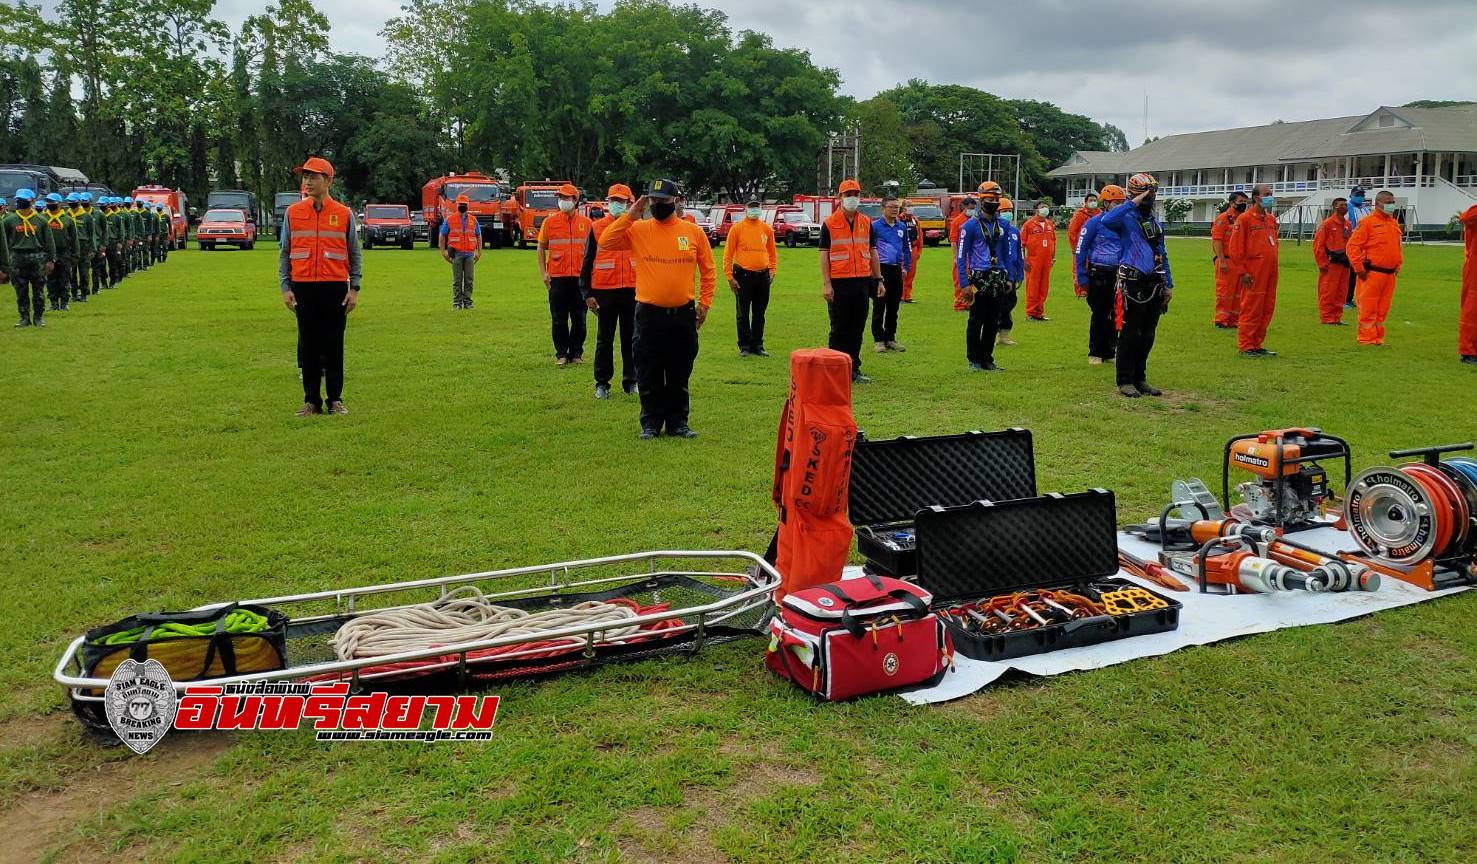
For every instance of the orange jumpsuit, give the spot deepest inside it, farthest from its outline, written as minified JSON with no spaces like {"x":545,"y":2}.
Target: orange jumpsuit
{"x":956,"y":224}
{"x":1253,"y":251}
{"x":1333,"y":280}
{"x":1038,"y":242}
{"x":1374,"y":253}
{"x":1227,"y":283}
{"x":913,"y":267}
{"x":1467,"y":329}
{"x":1074,"y":232}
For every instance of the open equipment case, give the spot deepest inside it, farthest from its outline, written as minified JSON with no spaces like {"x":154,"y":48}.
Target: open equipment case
{"x":893,"y":479}
{"x":972,"y":553}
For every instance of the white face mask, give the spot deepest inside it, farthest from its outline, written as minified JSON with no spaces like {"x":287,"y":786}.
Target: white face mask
{"x":1092,"y":205}
{"x":565,"y":205}
{"x":752,"y":213}
{"x":1043,"y":212}
{"x":1389,"y":208}
{"x":617,"y":208}
{"x":851,"y":202}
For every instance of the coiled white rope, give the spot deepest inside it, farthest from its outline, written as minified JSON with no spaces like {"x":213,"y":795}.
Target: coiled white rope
{"x":465,"y":615}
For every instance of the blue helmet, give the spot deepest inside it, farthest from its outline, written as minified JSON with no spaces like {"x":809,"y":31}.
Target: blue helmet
{"x":53,"y":198}
{"x":127,"y":199}
{"x":71,"y":196}
{"x":84,"y":197}
{"x":25,"y":195}
{"x":2,"y":200}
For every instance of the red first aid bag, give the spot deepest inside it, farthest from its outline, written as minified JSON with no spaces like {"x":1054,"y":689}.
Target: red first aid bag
{"x":858,"y":636}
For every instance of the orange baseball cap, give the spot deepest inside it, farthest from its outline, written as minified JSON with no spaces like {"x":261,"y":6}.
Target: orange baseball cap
{"x":620,"y":190}
{"x":849,"y":186}
{"x":316,"y":164}
{"x":569,"y":189}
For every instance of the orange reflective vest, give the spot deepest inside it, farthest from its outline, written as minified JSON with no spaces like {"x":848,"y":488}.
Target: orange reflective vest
{"x":461,"y":232}
{"x":564,"y":234}
{"x":851,"y":245}
{"x":614,"y":268}
{"x":319,"y":240}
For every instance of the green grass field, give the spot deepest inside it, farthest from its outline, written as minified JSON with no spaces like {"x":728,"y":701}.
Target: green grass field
{"x":151,"y":460}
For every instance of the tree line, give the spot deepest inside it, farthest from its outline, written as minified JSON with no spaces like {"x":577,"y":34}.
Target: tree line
{"x":134,"y":91}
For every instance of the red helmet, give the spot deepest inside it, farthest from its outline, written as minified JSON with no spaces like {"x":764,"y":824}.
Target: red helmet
{"x":1141,"y":182}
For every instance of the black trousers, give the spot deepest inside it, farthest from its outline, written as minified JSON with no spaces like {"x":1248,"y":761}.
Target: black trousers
{"x":28,"y":276}
{"x":567,"y":309}
{"x":1102,"y":299}
{"x":81,"y":271}
{"x":115,"y":267}
{"x":1353,"y":280}
{"x":320,"y":338}
{"x":617,"y":309}
{"x":1143,"y":303}
{"x":59,"y":282}
{"x":753,"y":301}
{"x":884,"y":308}
{"x":99,"y":272}
{"x":1007,"y":303}
{"x":665,"y":348}
{"x":980,"y":330}
{"x":848,"y":311}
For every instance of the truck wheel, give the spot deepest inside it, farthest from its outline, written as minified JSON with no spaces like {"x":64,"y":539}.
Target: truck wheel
{"x":206,"y":247}
{"x":518,"y":238}
{"x":368,"y":243}
{"x":407,"y":244}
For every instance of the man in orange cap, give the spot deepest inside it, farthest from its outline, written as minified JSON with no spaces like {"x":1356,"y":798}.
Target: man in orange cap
{"x":608,"y":283}
{"x":1253,"y":251}
{"x":1374,"y":253}
{"x":1467,"y":328}
{"x":850,"y":274}
{"x":670,"y":253}
{"x":1333,"y":263}
{"x":561,"y":244}
{"x":1227,"y":281}
{"x":318,"y":266}
{"x":461,"y":246}
{"x":1038,"y":240}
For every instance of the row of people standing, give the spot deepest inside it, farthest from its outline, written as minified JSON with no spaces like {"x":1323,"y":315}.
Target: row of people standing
{"x":68,"y":250}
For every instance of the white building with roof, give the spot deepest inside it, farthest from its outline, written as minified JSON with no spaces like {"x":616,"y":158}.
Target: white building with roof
{"x":1426,"y":156}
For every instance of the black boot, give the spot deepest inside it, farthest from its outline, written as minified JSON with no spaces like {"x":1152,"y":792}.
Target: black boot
{"x":23,"y":321}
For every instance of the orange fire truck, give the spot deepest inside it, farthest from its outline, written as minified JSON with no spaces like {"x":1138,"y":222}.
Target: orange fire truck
{"x":485,"y":201}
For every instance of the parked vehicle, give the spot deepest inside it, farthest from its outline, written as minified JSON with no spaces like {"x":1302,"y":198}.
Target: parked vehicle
{"x":536,"y":202}
{"x":793,"y":227}
{"x":280,"y":202}
{"x":227,"y":226}
{"x":178,"y":206}
{"x":485,"y":201}
{"x":38,"y":178}
{"x":724,"y":215}
{"x":387,"y":225}
{"x":930,"y":219}
{"x":236,"y":199}
{"x":418,"y":229}
{"x":817,"y":207}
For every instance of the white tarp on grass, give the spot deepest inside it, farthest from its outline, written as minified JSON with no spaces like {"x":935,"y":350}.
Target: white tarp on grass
{"x":1205,"y":618}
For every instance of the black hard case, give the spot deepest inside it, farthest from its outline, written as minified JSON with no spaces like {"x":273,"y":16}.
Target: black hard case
{"x":985,"y":549}
{"x":893,"y":479}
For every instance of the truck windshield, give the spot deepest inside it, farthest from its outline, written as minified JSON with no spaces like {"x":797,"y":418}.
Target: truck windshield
{"x":871,"y":211}
{"x":386,"y":212}
{"x":540,"y":199}
{"x":793,"y":218}
{"x":286,"y":199}
{"x":222,"y":216}
{"x":477,"y":193}
{"x":239,"y":200}
{"x":926,"y":211}
{"x":13,"y":180}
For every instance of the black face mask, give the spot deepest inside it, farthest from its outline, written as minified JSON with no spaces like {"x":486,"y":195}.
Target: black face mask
{"x":461,"y":208}
{"x":989,"y":207}
{"x":1239,"y":206}
{"x":662,"y":209}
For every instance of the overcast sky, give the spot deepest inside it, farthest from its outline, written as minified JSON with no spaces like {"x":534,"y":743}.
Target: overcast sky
{"x":1202,"y":64}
